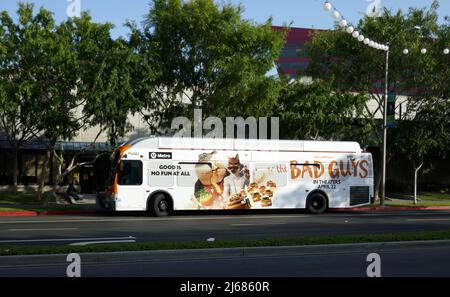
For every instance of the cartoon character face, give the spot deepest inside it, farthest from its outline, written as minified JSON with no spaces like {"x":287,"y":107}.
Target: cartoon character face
{"x":204,"y":173}
{"x":218,"y":175}
{"x":210,"y":170}
{"x":234,"y":164}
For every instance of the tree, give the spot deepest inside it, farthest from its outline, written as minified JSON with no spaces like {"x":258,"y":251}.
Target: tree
{"x":24,"y":65}
{"x":208,"y":57}
{"x":315,"y":111}
{"x":418,"y":138}
{"x":59,"y":80}
{"x":104,"y":78}
{"x":353,"y":67}
{"x":425,"y":127}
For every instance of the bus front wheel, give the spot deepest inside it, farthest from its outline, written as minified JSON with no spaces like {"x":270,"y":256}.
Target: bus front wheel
{"x":317,"y":203}
{"x":160,"y":205}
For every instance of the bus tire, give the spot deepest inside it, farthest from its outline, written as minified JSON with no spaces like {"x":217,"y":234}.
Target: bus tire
{"x":317,"y":203}
{"x":160,"y":205}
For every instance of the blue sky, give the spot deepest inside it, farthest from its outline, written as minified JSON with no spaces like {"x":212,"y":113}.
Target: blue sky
{"x":303,"y":13}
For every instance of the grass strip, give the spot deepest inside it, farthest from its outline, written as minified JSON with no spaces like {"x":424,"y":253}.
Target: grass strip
{"x":289,"y":241}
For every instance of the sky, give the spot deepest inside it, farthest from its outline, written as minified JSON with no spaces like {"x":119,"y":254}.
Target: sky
{"x":302,"y":13}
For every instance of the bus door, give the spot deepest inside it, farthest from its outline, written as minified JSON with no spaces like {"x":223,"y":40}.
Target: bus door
{"x":131,"y":191}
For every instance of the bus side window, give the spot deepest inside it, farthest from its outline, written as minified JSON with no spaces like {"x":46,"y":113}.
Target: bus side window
{"x":130,"y":173}
{"x":161,"y":174}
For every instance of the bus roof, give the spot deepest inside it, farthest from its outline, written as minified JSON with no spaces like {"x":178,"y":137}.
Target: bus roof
{"x":174,"y":143}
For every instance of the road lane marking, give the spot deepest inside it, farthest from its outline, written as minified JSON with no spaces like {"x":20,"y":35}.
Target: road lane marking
{"x":149,"y":219}
{"x":263,"y":224}
{"x":65,"y":239}
{"x":45,"y":229}
{"x":101,"y":242}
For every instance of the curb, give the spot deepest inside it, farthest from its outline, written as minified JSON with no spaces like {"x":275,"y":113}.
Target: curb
{"x":67,"y":212}
{"x":244,"y":252}
{"x":390,"y":208}
{"x":45,"y":213}
{"x":18,"y":213}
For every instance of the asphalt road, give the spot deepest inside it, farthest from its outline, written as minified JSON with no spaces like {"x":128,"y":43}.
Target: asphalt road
{"x":431,"y":261}
{"x":54,"y":230}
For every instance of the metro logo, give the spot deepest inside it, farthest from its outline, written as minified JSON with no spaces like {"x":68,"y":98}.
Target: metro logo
{"x":335,"y":169}
{"x":154,"y":155}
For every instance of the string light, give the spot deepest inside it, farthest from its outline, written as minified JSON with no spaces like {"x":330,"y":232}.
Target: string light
{"x":336,"y":14}
{"x":327,"y":6}
{"x":344,"y":24}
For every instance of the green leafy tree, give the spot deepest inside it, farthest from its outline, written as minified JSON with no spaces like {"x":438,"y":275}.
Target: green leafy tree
{"x":353,"y":67}
{"x":425,"y":127}
{"x":25,"y":52}
{"x":316,"y":111}
{"x":207,"y":57}
{"x":107,"y":78}
{"x":57,"y":81}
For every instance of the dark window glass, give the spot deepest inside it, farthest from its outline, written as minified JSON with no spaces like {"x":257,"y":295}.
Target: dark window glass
{"x":130,"y":173}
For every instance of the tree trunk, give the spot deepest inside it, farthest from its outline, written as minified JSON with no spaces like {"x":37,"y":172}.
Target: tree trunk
{"x":15,"y":168}
{"x":43,"y":176}
{"x":379,"y":174}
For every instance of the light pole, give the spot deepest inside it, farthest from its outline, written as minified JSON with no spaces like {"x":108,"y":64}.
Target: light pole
{"x":386,"y":90}
{"x":385,"y":103}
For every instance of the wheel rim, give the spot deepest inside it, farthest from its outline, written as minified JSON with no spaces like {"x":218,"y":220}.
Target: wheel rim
{"x":162,"y":205}
{"x":317,"y":203}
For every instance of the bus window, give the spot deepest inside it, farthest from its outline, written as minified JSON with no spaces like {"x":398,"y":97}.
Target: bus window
{"x":130,"y":173}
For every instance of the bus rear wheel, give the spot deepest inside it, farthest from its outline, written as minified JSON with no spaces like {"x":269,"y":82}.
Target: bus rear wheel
{"x":160,"y":205}
{"x":317,"y":203}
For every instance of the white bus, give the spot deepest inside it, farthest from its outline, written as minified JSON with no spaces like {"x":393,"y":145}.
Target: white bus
{"x":160,"y":175}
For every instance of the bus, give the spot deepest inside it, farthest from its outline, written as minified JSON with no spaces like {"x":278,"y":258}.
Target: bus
{"x":164,"y":174}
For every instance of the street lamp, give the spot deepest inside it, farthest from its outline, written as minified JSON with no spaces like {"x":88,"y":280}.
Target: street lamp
{"x":386,"y":91}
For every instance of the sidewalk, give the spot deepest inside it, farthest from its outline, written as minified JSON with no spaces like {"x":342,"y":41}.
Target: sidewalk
{"x":390,"y":208}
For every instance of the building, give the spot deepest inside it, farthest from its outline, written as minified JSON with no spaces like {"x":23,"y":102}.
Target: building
{"x":294,"y":59}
